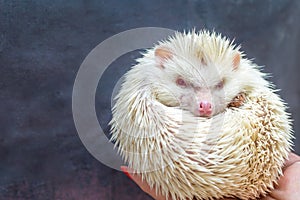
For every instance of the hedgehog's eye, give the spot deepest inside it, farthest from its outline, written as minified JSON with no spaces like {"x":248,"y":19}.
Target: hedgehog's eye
{"x":220,"y":85}
{"x":181,"y":82}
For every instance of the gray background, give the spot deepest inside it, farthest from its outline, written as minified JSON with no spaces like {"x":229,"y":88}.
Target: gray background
{"x":43,"y":43}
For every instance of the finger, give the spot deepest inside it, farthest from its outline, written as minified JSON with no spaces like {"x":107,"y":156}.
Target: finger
{"x":291,"y":160}
{"x":142,"y":184}
{"x":268,"y":198}
{"x":136,"y":178}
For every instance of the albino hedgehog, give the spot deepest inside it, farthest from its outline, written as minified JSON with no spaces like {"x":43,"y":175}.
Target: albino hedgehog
{"x":198,"y":121}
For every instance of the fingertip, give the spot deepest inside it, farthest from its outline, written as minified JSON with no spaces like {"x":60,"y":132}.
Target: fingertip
{"x":125,"y":171}
{"x":124,"y":168}
{"x":291,"y":159}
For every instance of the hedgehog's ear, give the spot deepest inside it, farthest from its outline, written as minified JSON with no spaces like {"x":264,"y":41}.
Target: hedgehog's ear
{"x":236,"y":60}
{"x":161,"y":55}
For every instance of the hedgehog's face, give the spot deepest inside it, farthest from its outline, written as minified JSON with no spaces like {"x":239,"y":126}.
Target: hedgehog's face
{"x":205,"y":100}
{"x":192,"y":86}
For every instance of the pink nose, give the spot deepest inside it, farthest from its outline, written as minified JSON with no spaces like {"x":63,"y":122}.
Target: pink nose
{"x":205,"y":108}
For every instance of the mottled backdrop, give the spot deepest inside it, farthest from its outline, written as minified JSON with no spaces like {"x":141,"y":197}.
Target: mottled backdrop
{"x":43,"y":43}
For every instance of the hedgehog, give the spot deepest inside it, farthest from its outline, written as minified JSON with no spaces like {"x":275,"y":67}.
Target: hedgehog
{"x":198,"y":120}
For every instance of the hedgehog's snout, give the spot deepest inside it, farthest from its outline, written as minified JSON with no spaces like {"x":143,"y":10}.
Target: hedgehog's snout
{"x":205,"y":108}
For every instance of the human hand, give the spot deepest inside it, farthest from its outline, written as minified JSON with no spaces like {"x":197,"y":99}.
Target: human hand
{"x":288,"y":187}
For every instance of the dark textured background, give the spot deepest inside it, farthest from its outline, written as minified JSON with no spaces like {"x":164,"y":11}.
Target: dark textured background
{"x":43,"y":43}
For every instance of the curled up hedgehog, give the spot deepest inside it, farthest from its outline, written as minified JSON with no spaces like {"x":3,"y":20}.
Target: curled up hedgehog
{"x":198,"y":120}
